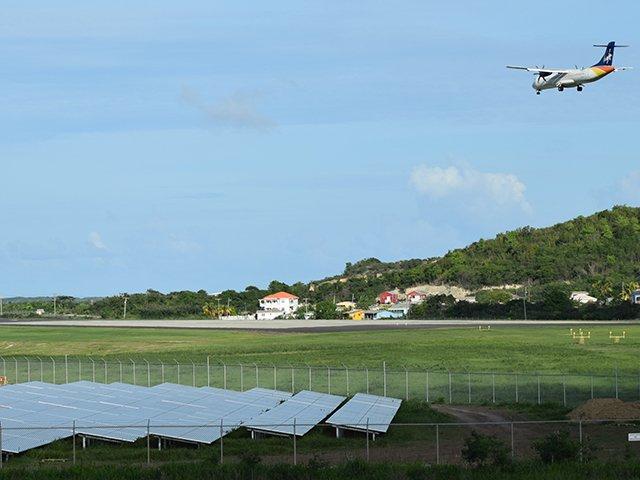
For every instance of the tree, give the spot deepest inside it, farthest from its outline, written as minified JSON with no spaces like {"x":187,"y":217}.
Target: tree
{"x":480,"y":450}
{"x":326,"y":310}
{"x":557,"y":447}
{"x":494,"y":296}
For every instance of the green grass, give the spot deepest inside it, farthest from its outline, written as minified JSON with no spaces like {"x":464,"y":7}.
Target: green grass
{"x":508,"y":349}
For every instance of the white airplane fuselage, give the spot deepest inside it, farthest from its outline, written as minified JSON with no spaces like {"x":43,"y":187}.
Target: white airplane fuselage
{"x":572,"y":78}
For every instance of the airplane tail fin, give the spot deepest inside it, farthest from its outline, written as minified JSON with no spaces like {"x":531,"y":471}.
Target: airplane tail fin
{"x":607,"y":58}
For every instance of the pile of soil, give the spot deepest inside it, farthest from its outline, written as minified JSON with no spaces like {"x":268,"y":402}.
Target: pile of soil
{"x":605,"y":409}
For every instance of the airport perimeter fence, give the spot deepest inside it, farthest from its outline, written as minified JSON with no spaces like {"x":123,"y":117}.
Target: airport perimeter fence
{"x":435,"y":386}
{"x":430,"y":443}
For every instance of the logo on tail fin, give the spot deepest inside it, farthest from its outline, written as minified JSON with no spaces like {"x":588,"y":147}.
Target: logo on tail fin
{"x":607,"y":58}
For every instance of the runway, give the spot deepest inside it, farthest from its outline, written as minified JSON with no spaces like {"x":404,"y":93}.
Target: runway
{"x":303,"y":325}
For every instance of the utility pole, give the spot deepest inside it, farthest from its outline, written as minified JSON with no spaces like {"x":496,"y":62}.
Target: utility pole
{"x":306,"y":307}
{"x":0,"y":305}
{"x":125,"y":297}
{"x":55,"y":306}
{"x":524,"y":302}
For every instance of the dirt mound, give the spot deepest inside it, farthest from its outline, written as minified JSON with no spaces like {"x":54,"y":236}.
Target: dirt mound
{"x":606,"y":408}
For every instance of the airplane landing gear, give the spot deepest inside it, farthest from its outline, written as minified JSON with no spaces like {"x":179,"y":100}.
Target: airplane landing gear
{"x":560,"y":88}
{"x":537,"y":92}
{"x":579,"y":88}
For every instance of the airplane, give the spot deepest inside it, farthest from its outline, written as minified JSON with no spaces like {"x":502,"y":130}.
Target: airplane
{"x":547,"y":78}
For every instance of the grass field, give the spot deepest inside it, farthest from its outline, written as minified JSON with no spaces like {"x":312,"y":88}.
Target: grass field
{"x":509,"y":349}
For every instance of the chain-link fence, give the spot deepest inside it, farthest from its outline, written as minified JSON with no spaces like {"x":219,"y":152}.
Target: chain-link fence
{"x":434,"y":443}
{"x":406,"y":383}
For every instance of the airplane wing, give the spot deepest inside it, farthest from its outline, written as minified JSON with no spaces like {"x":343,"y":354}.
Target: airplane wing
{"x":538,"y":70}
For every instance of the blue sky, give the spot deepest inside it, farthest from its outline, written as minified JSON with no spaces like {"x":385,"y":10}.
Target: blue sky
{"x":193,"y":144}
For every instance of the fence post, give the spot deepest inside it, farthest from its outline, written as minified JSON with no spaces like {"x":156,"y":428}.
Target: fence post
{"x":224,"y":375}
{"x":469,"y":386}
{"x":539,"y":398}
{"x":427,"y":383}
{"x":28,"y":369}
{"x":275,"y":377}
{"x":406,"y":383}
{"x":437,"y":444}
{"x":517,"y":397}
{"x":295,"y":445}
{"x":221,"y":443}
{"x":193,"y":373}
{"x":15,"y":360}
{"x":329,"y":380}
{"x":256,"y":367}
{"x":41,"y":372}
{"x":241,"y":377}
{"x":178,"y":367}
{"x":616,"y":383}
{"x":450,"y":391}
{"x":257,"y":373}
{"x":564,"y":391}
{"x":53,"y":363}
{"x":74,"y":442}
{"x":133,"y":367}
{"x":367,"y":439}
{"x":309,"y":368}
{"x":162,"y":371}
{"x":66,"y":369}
{"x":4,"y":367}
{"x":106,"y":374}
{"x":120,"y":363}
{"x":493,"y":387}
{"x":513,"y":451}
{"x":148,"y":442}
{"x":347,"y":373}
{"x":591,"y":387}
{"x":366,"y":372}
{"x":208,"y":372}
{"x":293,"y":379}
{"x":384,"y":378}
{"x":93,"y":370}
{"x":79,"y":368}
{"x":580,"y":436}
{"x":148,"y":373}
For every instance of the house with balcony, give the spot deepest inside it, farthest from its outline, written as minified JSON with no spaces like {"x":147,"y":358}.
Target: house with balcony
{"x":277,"y":305}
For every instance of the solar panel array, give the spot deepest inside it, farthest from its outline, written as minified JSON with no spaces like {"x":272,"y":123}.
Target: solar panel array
{"x":121,"y":412}
{"x":377,"y":411}
{"x":306,"y":408}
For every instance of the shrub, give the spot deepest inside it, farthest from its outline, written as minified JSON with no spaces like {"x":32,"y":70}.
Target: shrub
{"x":482,"y":450}
{"x":557,"y":447}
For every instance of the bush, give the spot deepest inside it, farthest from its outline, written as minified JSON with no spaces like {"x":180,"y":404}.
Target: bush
{"x":482,"y":450}
{"x":557,"y":447}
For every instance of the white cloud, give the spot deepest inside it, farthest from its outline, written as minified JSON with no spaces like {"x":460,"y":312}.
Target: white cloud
{"x":483,"y":189}
{"x":237,"y":110}
{"x":96,"y":241}
{"x":629,"y":187}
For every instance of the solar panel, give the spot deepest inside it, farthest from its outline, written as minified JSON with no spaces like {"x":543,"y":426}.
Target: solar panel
{"x":36,"y":413}
{"x":377,"y":411}
{"x":305,"y":408}
{"x":230,"y":408}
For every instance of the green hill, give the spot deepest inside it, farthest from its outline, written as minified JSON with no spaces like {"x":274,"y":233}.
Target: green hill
{"x":603,"y":245}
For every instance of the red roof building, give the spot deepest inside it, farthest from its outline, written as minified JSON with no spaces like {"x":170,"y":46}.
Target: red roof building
{"x":415,"y":296}
{"x":387,"y":298}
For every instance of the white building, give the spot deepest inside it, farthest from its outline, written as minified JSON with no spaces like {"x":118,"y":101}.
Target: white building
{"x":277,"y":305}
{"x":635,"y":297}
{"x":583,"y":297}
